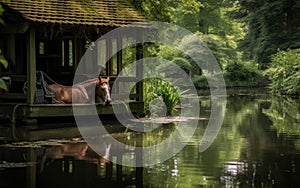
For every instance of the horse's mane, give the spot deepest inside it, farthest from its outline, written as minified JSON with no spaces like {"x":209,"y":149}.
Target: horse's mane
{"x":86,"y":82}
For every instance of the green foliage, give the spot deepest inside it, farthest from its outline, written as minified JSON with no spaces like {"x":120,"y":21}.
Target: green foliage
{"x":153,"y":9}
{"x":284,"y":113}
{"x":3,"y":61}
{"x":186,"y":14}
{"x":182,"y":12}
{"x":284,"y":72}
{"x":221,"y":49}
{"x":243,"y":74}
{"x":200,"y":81}
{"x":1,"y":12}
{"x":183,"y":63}
{"x":270,"y":25}
{"x":3,"y":85}
{"x":160,"y":90}
{"x":212,"y":22}
{"x":176,"y":57}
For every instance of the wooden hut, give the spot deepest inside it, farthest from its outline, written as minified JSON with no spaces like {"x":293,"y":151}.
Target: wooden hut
{"x":52,"y":36}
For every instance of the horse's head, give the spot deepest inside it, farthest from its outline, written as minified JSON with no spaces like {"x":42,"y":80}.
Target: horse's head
{"x":103,"y":89}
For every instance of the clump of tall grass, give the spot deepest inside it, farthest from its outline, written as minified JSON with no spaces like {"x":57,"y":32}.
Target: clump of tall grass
{"x":160,"y":90}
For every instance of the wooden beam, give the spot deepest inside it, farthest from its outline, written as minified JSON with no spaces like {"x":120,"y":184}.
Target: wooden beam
{"x":77,"y":52}
{"x":11,"y":28}
{"x":31,"y":66}
{"x":65,"y":110}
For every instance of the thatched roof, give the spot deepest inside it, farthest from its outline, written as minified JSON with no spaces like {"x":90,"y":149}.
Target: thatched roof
{"x":111,"y":13}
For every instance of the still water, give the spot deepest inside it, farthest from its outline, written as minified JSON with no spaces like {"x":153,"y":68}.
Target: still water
{"x":258,"y":146}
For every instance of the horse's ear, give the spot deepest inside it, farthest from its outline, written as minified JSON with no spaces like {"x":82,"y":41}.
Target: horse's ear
{"x":99,"y":79}
{"x":98,"y":82}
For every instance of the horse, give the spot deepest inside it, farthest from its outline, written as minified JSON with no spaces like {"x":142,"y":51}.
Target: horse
{"x":78,"y":151}
{"x":82,"y":92}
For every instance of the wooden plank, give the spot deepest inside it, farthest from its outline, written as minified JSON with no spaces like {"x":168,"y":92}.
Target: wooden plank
{"x":12,"y":96}
{"x":31,"y":66}
{"x":64,"y":110}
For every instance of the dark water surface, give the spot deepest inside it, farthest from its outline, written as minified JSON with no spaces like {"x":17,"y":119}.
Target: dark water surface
{"x":257,"y":146}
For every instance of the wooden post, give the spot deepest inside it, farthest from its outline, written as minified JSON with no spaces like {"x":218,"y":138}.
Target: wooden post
{"x":78,"y":52}
{"x":31,"y":170}
{"x":119,"y":54}
{"x":109,"y":51}
{"x":12,"y":48}
{"x":139,"y":72}
{"x":139,"y":159}
{"x":31,"y":66}
{"x":119,"y":167}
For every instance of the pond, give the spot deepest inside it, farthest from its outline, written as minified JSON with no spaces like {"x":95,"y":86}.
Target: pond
{"x":258,"y":145}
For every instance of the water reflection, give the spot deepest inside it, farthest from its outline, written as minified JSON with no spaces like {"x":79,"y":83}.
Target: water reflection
{"x":246,"y":153}
{"x":63,"y":163}
{"x":257,"y":146}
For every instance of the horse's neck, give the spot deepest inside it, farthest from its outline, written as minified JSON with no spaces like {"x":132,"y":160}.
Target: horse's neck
{"x":87,"y":83}
{"x":88,"y":87}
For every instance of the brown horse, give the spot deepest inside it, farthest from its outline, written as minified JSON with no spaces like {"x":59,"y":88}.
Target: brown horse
{"x":82,"y":92}
{"x":80,"y":151}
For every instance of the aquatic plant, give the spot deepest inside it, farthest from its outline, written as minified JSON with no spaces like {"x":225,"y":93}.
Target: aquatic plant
{"x":160,"y":90}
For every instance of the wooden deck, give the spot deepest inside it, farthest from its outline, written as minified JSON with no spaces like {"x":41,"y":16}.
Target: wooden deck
{"x":22,"y":121}
{"x":23,"y":110}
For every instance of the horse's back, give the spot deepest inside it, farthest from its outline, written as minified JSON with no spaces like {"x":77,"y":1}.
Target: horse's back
{"x":69,"y":94}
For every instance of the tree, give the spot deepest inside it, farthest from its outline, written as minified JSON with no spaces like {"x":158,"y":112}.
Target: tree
{"x":154,"y":9}
{"x":181,"y":12}
{"x":270,"y":25}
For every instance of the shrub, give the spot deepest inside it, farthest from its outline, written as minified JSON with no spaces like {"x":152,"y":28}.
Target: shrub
{"x":243,"y":74}
{"x":200,"y":81}
{"x":284,"y":72}
{"x":156,"y":90}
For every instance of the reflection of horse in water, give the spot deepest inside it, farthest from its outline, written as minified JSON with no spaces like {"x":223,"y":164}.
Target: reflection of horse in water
{"x":80,"y":151}
{"x":82,"y":92}
{"x":77,"y":151}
